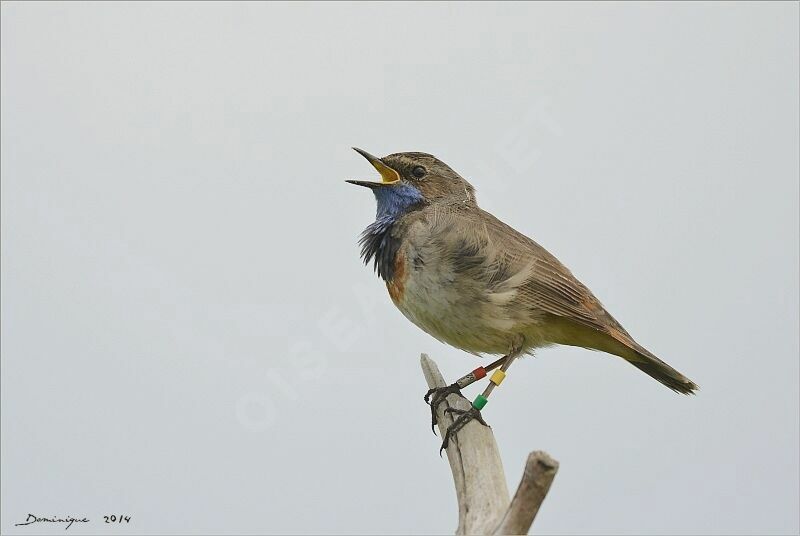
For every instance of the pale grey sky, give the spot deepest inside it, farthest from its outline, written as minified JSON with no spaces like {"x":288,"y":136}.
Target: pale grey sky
{"x":190,"y":338}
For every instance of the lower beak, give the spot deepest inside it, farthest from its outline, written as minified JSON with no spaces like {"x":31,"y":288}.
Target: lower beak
{"x":388,"y":175}
{"x":368,"y":184}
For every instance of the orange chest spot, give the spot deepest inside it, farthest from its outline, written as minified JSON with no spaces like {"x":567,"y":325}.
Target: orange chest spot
{"x":396,"y":286}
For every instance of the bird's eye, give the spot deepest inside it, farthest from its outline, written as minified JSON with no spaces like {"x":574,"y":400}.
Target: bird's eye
{"x":418,"y":172}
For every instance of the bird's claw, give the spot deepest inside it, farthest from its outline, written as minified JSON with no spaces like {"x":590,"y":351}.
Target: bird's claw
{"x":464,"y":416}
{"x":436,"y":396}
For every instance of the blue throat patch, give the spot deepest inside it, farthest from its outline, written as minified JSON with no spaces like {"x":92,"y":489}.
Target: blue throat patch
{"x":377,"y":241}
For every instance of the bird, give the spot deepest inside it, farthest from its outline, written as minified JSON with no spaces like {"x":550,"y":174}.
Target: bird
{"x":475,"y":283}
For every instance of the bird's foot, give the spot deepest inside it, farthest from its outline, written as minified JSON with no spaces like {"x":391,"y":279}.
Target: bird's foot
{"x":436,"y":396}
{"x":464,"y":416}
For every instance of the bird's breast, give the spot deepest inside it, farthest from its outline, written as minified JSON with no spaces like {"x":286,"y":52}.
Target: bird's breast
{"x":455,"y":309}
{"x":396,"y":285}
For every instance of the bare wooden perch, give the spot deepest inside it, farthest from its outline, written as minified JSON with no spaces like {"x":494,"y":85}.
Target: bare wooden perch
{"x":484,"y":506}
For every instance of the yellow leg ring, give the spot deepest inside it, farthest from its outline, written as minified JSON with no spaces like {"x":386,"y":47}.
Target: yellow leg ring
{"x":498,"y":377}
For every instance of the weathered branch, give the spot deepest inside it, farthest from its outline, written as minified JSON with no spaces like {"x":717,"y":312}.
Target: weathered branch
{"x":540,"y":470}
{"x":484,"y":506}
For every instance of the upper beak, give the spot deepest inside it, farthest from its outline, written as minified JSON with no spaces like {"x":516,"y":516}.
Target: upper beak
{"x":388,"y":175}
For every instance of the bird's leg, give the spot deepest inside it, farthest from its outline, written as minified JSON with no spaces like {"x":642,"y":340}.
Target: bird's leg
{"x":464,"y":416}
{"x":437,"y":395}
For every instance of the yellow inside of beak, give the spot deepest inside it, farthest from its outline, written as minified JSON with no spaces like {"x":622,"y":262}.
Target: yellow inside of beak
{"x":388,"y":175}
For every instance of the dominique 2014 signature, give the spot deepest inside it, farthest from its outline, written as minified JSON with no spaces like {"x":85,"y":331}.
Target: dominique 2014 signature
{"x":69,"y":520}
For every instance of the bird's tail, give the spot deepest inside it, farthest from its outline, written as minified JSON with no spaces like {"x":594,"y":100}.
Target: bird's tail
{"x":657,"y":369}
{"x":615,"y":340}
{"x":641,"y":358}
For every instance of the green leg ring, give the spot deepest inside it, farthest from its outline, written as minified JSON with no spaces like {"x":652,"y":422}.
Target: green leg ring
{"x":480,"y":402}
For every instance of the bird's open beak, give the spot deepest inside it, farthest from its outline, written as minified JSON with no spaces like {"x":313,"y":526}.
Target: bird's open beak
{"x":388,"y":175}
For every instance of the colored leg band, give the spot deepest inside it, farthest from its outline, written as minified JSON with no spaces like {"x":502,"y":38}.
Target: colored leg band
{"x":472,"y":377}
{"x":480,"y":402}
{"x":498,"y":377}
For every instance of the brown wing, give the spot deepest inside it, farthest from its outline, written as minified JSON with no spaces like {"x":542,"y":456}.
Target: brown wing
{"x":526,"y":277}
{"x":548,"y":286}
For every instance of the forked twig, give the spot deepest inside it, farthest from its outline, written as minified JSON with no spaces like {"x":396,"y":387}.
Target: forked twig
{"x":484,"y":505}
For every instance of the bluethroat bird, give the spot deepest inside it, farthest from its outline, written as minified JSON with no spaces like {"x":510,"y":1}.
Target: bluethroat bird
{"x":473,"y":282}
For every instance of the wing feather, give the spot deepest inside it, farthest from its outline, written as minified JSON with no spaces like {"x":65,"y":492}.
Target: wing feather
{"x":540,"y":281}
